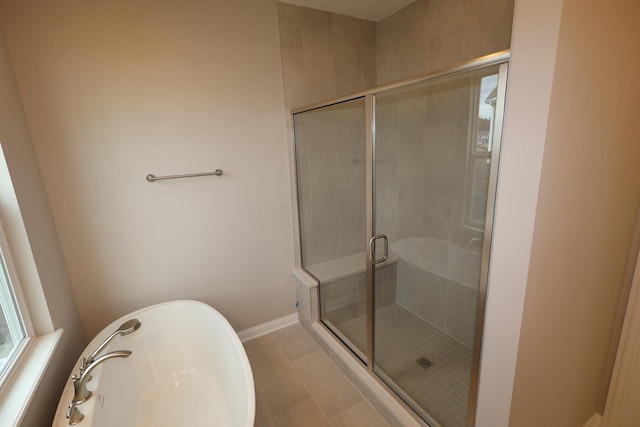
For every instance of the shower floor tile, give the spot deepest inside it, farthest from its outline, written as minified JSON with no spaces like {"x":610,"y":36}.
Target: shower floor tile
{"x":442,"y":389}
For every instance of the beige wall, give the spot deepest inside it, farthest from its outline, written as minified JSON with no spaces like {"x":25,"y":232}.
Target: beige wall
{"x":531,"y":69}
{"x":37,"y":254}
{"x":432,"y":34}
{"x":117,"y":90}
{"x":589,"y":196}
{"x":324,"y":55}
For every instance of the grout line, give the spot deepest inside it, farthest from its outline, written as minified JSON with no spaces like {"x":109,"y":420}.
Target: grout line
{"x":279,"y":348}
{"x":264,"y":406}
{"x":334,"y":364}
{"x":295,"y":371}
{"x":303,"y":402}
{"x":454,"y":379}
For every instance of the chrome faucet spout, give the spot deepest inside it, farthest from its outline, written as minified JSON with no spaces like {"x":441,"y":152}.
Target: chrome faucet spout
{"x":81,"y":394}
{"x":125,"y":329}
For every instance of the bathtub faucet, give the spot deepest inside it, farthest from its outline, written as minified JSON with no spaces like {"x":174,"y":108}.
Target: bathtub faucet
{"x":81,"y":394}
{"x":125,"y":329}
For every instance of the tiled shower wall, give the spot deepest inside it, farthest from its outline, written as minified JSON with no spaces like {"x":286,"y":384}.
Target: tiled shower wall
{"x":421,"y":143}
{"x":331,"y":181}
{"x":346,"y":298}
{"x":432,"y":34}
{"x":326,"y":55}
{"x":422,"y":139}
{"x":422,"y":135}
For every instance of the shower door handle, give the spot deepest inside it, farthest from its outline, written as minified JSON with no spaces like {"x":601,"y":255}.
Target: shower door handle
{"x":372,"y":250}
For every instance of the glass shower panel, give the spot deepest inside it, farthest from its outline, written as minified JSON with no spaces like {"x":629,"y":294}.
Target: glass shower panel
{"x":330,"y":158}
{"x":432,"y":160}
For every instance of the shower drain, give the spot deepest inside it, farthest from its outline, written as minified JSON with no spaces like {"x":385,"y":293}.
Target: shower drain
{"x":424,"y":362}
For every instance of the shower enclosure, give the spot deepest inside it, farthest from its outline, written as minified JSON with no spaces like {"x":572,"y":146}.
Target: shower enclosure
{"x":396,"y":187}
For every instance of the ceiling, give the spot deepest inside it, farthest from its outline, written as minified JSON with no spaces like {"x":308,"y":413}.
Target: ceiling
{"x":371,"y":10}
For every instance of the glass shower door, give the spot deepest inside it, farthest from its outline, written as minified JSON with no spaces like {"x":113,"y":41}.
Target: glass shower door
{"x":330,"y":167}
{"x":396,"y":191}
{"x":433,"y":156}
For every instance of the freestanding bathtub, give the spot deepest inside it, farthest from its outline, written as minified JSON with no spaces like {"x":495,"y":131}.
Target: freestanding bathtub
{"x":187,"y":368}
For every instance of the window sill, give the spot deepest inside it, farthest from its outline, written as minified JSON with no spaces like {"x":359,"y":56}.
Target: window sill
{"x":22,"y":383}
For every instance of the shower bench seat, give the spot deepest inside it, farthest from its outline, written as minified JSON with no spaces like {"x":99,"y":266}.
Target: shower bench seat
{"x":343,"y":286}
{"x":348,"y":266}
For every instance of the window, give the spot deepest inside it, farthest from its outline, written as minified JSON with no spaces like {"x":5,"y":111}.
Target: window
{"x":29,"y":337}
{"x":479,"y":154}
{"x":13,"y":331}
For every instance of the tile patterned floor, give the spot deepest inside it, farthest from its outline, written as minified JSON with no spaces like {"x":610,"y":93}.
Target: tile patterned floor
{"x":298,"y":385}
{"x":401,"y":338}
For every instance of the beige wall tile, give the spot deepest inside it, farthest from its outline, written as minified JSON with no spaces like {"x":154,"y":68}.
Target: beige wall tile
{"x":291,"y":24}
{"x":349,"y":46}
{"x":445,"y":14}
{"x":295,"y":91}
{"x":413,"y":46}
{"x":369,"y":71}
{"x":326,"y":247}
{"x":348,"y":86}
{"x":352,"y":234}
{"x":369,"y":38}
{"x":388,"y":49}
{"x":319,"y":56}
{"x":428,"y":35}
{"x":445,"y":49}
{"x":338,"y":54}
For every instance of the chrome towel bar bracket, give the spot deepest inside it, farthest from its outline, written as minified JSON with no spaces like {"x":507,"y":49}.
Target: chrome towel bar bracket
{"x":152,"y":178}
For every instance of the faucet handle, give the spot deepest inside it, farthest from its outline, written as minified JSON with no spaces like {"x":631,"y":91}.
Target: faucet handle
{"x":80,"y":392}
{"x":84,"y":365}
{"x":74,"y":415}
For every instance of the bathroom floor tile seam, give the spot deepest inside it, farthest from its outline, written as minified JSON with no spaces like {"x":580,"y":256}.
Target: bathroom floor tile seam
{"x":297,"y":384}
{"x":309,"y":414}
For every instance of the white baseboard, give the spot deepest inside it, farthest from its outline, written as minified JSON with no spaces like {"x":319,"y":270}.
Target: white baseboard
{"x":267,"y":328}
{"x":594,"y":421}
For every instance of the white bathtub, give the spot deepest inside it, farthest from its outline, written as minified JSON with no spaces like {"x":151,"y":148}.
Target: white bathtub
{"x":188,"y":368}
